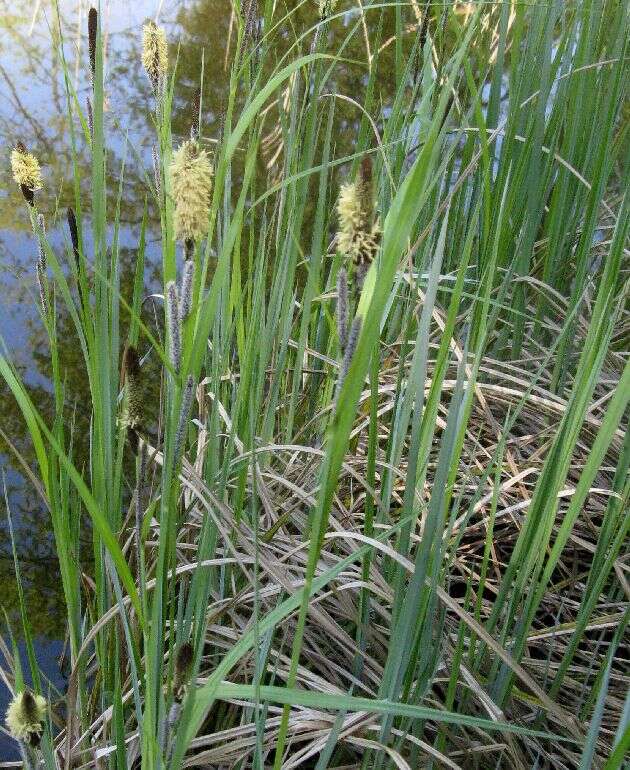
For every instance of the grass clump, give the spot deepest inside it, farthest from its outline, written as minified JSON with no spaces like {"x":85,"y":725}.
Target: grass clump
{"x":378,"y":528}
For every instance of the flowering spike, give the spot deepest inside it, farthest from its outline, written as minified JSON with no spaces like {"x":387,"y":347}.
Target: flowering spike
{"x":191,"y":171}
{"x":74,"y":233}
{"x":90,"y":116}
{"x":41,"y":283}
{"x":353,"y":340}
{"x":187,"y":398}
{"x":173,"y":715}
{"x":156,"y":171}
{"x":359,"y":233}
{"x":26,"y":172}
{"x":185,"y":297}
{"x":183,"y":660}
{"x":154,"y":54}
{"x":132,"y":381}
{"x":342,"y":308}
{"x":92,"y":31}
{"x":350,"y":216}
{"x":366,"y":188}
{"x":196,"y":112}
{"x":25,"y":716}
{"x":40,"y":234}
{"x":251,"y":16}
{"x":173,"y":323}
{"x":183,"y":664}
{"x":327,"y":8}
{"x":40,"y":267}
{"x":141,"y":467}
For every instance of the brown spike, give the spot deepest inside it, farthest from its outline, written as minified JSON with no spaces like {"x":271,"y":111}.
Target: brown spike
{"x":34,"y":739}
{"x":366,"y":189}
{"x":424,"y":28}
{"x":183,"y":664}
{"x":196,"y":112}
{"x":130,"y":366}
{"x":74,"y":232}
{"x":366,"y":169}
{"x":134,"y":439}
{"x":183,"y":660}
{"x":29,"y":195}
{"x":131,"y":380}
{"x":92,"y":30}
{"x":30,"y":707}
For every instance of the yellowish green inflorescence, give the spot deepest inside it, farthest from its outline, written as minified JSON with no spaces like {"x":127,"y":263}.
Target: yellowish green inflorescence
{"x":359,"y":233}
{"x":191,"y":173}
{"x":154,"y":53}
{"x":25,"y":717}
{"x":26,"y":169}
{"x":327,"y":7}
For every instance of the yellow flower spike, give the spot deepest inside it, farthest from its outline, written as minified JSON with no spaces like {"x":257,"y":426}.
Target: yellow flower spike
{"x":359,"y":233}
{"x":25,"y":716}
{"x":191,"y":173}
{"x":350,"y":216}
{"x":154,"y":53}
{"x":327,"y":8}
{"x":26,"y":169}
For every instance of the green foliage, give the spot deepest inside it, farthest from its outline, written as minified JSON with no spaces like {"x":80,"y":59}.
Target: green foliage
{"x":426,"y":553}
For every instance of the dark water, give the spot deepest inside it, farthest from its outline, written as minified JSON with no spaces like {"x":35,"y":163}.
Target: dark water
{"x":33,"y":110}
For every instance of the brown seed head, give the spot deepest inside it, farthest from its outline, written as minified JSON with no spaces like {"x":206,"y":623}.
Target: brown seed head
{"x":74,"y":232}
{"x":183,"y":665}
{"x":184,"y":659}
{"x":92,"y":32}
{"x":130,"y":363}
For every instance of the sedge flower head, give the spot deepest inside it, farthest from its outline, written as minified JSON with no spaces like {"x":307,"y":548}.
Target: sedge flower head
{"x":25,"y":716}
{"x":359,"y":232}
{"x":183,"y":667}
{"x":92,"y":39}
{"x":154,"y":52}
{"x":351,"y":219}
{"x":357,"y":237}
{"x":327,"y":8}
{"x":191,"y":172}
{"x":133,"y":409}
{"x":26,"y":169}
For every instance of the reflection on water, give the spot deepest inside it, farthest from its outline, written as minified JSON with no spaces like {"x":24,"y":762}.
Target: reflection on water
{"x":33,"y":110}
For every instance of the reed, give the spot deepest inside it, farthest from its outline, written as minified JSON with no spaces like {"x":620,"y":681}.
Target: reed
{"x":393,"y":532}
